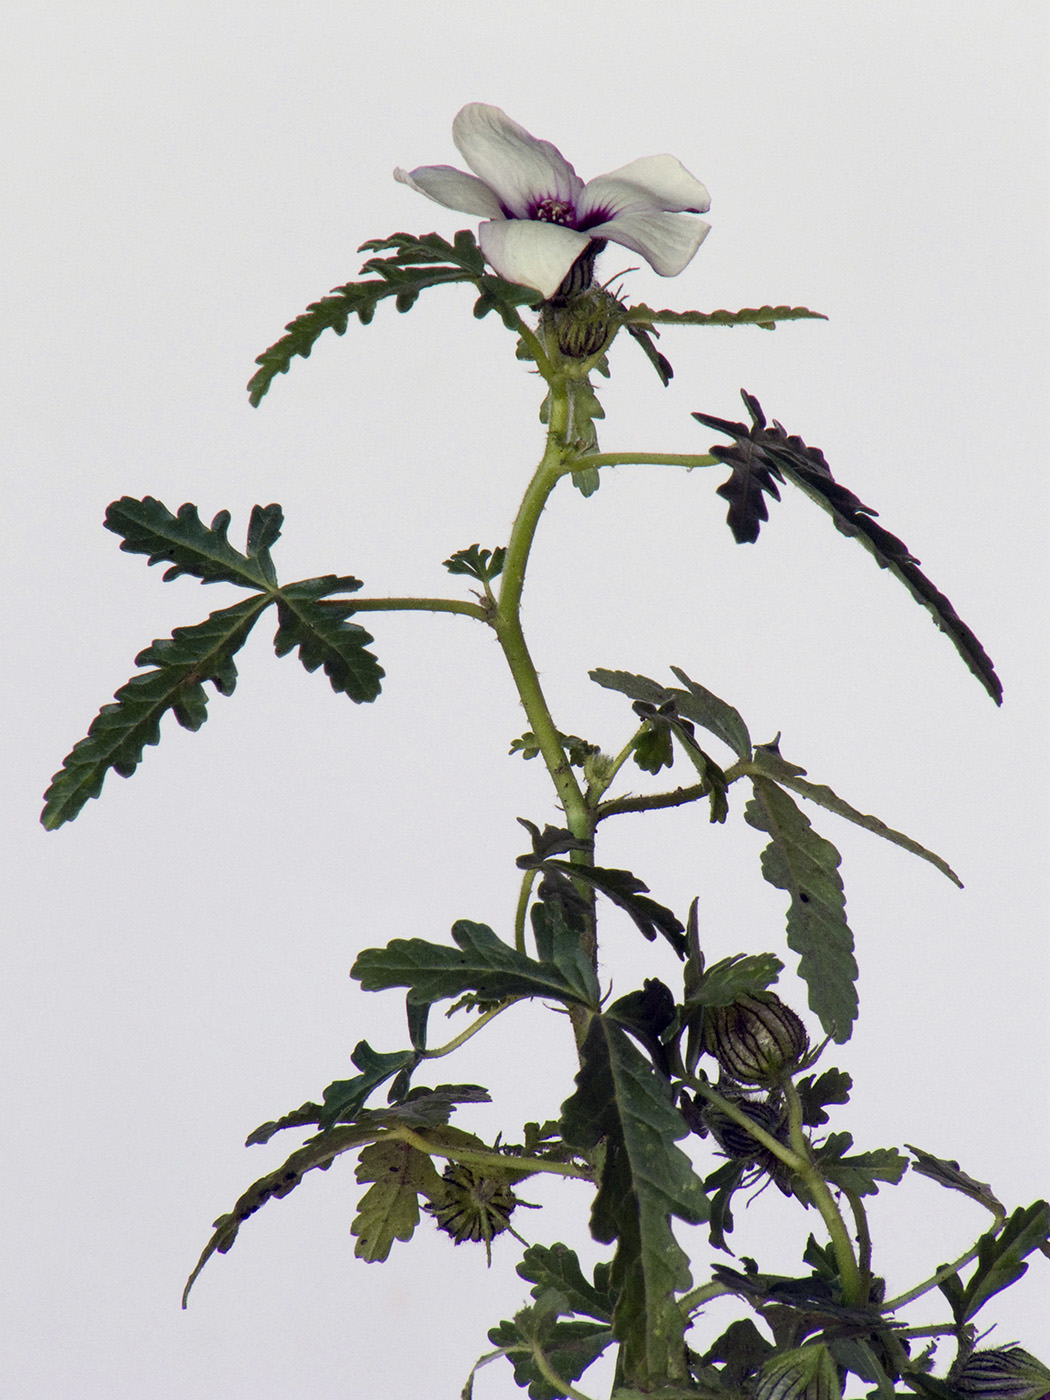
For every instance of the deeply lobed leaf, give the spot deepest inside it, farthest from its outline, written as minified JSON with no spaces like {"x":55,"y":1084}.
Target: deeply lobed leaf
{"x":480,"y":962}
{"x":324,"y":638}
{"x":120,"y":732}
{"x":762,"y":456}
{"x":147,"y":527}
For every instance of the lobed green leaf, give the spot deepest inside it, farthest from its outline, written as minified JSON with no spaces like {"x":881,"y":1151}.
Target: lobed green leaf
{"x":949,"y":1174}
{"x":724,"y":982}
{"x":861,"y":1172}
{"x":761,"y":456}
{"x":120,"y":732}
{"x":557,"y":1267}
{"x":622,"y":1102}
{"x":318,"y":627}
{"x":389,"y":1209}
{"x":1001,"y":1253}
{"x":765,"y":317}
{"x":806,"y":866}
{"x":414,"y":265}
{"x":147,"y":527}
{"x":567,"y":1347}
{"x":480,"y":962}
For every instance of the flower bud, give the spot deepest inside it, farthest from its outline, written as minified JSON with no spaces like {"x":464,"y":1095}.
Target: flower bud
{"x":582,"y":323}
{"x":807,"y":1373}
{"x":756,"y":1039}
{"x":1005,"y":1374}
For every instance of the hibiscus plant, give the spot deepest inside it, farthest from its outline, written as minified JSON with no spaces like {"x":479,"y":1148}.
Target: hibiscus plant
{"x":685,"y":1097}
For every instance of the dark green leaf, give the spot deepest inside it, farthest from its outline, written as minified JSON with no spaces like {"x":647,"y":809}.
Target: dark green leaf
{"x":321,"y":1151}
{"x":767,"y":760}
{"x":698,"y":704}
{"x":558,"y":1268}
{"x":307,"y":1115}
{"x":725,"y":981}
{"x":191,"y":547}
{"x":833,"y":1087}
{"x":1000,"y":1255}
{"x":624,"y":1103}
{"x":120,"y":732}
{"x":743,"y":1349}
{"x":692,"y":703}
{"x":324,"y":638}
{"x":862,"y":1172}
{"x":627,"y":892}
{"x":559,"y":945}
{"x":654,"y":748}
{"x":761,"y":456}
{"x":344,"y":1098}
{"x":480,"y":963}
{"x":804,"y":864}
{"x":414,"y":264}
{"x":643,"y":336}
{"x":482,"y":564}
{"x":765,"y":317}
{"x":950,"y":1174}
{"x":568,"y":1347}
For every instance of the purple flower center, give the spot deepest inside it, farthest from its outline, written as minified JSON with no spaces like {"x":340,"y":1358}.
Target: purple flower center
{"x":551,"y":210}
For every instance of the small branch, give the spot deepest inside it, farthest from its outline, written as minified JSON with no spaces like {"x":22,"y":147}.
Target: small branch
{"x":678,"y":798}
{"x":449,"y":605}
{"x":551,"y":1376}
{"x":522,"y":910}
{"x":471,"y":1030}
{"x":860,"y":1217}
{"x":945,"y":1271}
{"x":690,"y":1302}
{"x":527,"y":1166}
{"x":689,"y":460}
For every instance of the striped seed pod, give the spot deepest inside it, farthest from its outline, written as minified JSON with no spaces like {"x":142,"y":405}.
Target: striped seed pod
{"x":756,"y":1039}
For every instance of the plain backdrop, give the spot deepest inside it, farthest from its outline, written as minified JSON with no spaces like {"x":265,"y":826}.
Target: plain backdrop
{"x":181,"y":179}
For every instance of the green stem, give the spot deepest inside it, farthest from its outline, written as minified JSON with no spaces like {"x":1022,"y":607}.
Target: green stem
{"x":449,"y":605}
{"x":945,"y":1271}
{"x":650,"y":802}
{"x":689,"y":460}
{"x":798,"y":1160}
{"x":522,"y":909}
{"x":551,"y":1376}
{"x":527,"y":1166}
{"x":601,"y":785}
{"x":854,"y":1290}
{"x":690,"y":1302}
{"x":471,"y":1030}
{"x":507,"y":619}
{"x":860,"y":1217}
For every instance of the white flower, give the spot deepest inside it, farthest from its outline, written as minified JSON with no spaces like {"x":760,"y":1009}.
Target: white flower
{"x":540,"y":216}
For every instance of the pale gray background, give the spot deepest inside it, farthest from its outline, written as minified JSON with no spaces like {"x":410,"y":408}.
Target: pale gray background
{"x":181,"y":179}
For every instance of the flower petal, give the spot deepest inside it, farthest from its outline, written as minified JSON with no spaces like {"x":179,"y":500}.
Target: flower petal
{"x":667,"y":242}
{"x":654,"y":182}
{"x":535,"y":254}
{"x":453,"y":188}
{"x":519,"y":168}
